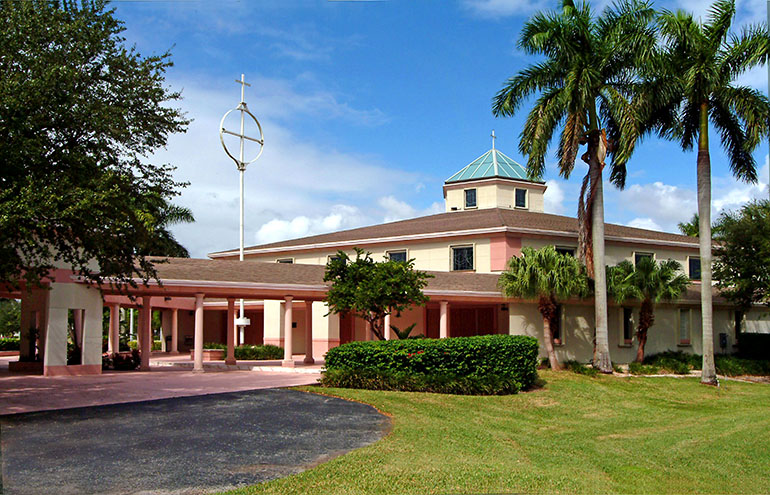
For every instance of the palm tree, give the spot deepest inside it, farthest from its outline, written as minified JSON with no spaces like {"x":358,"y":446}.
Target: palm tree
{"x":649,"y":282}
{"x":691,"y":228}
{"x":585,"y":85}
{"x":694,"y":85}
{"x":547,"y":276}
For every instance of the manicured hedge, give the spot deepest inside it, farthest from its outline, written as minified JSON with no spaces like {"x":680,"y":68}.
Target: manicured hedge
{"x":156,"y":345}
{"x":9,"y":344}
{"x":258,"y":352}
{"x":504,"y":357}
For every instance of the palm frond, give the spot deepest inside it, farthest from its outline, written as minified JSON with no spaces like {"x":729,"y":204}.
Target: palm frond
{"x":734,"y":140}
{"x":746,"y":51}
{"x":537,"y":77}
{"x":539,"y":128}
{"x":719,"y":19}
{"x":574,"y":129}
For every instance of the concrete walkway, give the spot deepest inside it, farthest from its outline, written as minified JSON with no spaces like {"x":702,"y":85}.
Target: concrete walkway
{"x":181,"y":446}
{"x":28,"y":393}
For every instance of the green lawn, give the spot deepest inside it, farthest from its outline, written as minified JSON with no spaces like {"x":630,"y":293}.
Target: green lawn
{"x":576,"y":435}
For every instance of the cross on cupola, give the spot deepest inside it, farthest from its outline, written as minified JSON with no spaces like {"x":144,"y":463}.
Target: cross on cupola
{"x":493,"y":139}
{"x":243,"y":83}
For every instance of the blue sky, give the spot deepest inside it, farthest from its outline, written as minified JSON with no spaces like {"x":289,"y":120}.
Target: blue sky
{"x":367,"y":107}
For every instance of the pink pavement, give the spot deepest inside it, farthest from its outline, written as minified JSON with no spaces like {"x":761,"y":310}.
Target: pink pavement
{"x":29,"y":393}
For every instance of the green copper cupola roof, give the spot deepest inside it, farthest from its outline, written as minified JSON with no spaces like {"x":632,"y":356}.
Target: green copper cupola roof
{"x":492,"y":164}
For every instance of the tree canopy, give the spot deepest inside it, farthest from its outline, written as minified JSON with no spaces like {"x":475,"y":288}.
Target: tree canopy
{"x":742,"y":255}
{"x":371,"y":290}
{"x":80,"y":116}
{"x":548,"y":277}
{"x":649,"y":282}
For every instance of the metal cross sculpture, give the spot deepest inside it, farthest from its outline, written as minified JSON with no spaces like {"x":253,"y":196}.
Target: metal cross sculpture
{"x":241,"y":164}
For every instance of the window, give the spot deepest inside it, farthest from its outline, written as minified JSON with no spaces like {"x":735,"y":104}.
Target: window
{"x":332,"y":257}
{"x":556,"y":326}
{"x":693,"y":266}
{"x":470,"y":198}
{"x":520,"y":198}
{"x":628,"y":326}
{"x":396,"y":255}
{"x":567,"y":251}
{"x":685,"y":326}
{"x":462,"y":258}
{"x":285,"y":260}
{"x":640,"y":256}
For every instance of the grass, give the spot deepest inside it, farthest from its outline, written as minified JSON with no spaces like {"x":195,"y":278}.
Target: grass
{"x":578,"y":434}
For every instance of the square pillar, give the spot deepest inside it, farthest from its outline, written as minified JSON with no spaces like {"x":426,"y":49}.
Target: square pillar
{"x":309,"y":333}
{"x":145,"y":332}
{"x":288,"y":319}
{"x":113,"y":342}
{"x":230,"y":359}
{"x":198,"y":364}
{"x":444,"y":320}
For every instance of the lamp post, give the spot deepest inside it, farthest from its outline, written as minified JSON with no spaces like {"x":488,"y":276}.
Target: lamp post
{"x":241,"y":164}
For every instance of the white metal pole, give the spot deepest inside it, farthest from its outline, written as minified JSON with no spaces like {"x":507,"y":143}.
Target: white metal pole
{"x":242,"y":170}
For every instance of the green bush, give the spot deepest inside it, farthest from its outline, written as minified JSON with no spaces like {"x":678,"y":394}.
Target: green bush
{"x":643,"y":369}
{"x":735,"y":366}
{"x":418,"y":382}
{"x":580,"y":368}
{"x":258,"y":352}
{"x":503,"y":356}
{"x":214,"y":345}
{"x":682,"y":363}
{"x":675,"y":361}
{"x":156,"y":345}
{"x":121,"y":360}
{"x":9,"y":344}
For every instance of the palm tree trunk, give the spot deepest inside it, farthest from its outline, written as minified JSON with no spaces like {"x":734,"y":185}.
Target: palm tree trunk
{"x":547,"y":309}
{"x":646,"y":319}
{"x":602,"y":361}
{"x":709,"y":374}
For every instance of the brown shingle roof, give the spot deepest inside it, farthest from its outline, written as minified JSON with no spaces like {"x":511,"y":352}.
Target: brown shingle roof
{"x":475,"y":220}
{"x":229,"y":271}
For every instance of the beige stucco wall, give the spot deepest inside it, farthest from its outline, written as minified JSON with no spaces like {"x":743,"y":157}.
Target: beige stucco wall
{"x":494,"y":196}
{"x":62,"y":298}
{"x":428,"y":256}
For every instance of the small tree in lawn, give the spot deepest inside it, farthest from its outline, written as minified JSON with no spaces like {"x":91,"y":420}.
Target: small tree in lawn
{"x":649,"y":282}
{"x":371,"y":290}
{"x":547,"y":276}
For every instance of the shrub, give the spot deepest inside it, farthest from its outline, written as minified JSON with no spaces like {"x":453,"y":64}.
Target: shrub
{"x":642,"y":369}
{"x":258,"y":352}
{"x":503,"y":356}
{"x":121,"y":360}
{"x":156,"y":345}
{"x":9,"y":344}
{"x":675,"y":361}
{"x":214,"y":345}
{"x":419,"y":382}
{"x":580,"y":368}
{"x":735,"y":366}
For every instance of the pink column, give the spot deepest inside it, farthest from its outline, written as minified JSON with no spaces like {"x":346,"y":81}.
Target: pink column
{"x":174,"y":331}
{"x":288,"y":319}
{"x":386,"y":324}
{"x":444,"y":320}
{"x":309,"y":333}
{"x":230,"y":359}
{"x":112,"y":335}
{"x":145,"y":331}
{"x":198,"y":362}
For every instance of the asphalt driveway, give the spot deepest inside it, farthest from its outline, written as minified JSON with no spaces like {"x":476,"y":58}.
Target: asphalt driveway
{"x":183,"y":445}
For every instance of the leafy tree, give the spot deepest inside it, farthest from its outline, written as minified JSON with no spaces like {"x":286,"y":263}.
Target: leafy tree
{"x":649,"y":282}
{"x":585,"y":83}
{"x":549,"y":277}
{"x":371,"y":290}
{"x":80,"y":115}
{"x":742,"y":255}
{"x":693,"y":86}
{"x":691,"y":228}
{"x":10,"y":317}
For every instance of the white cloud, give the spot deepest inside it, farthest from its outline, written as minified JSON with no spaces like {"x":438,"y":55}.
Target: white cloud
{"x":303,"y":187}
{"x":644,"y":223}
{"x":553,"y":198}
{"x":395,"y":209}
{"x":662,"y":204}
{"x":341,"y":217}
{"x":504,"y":8}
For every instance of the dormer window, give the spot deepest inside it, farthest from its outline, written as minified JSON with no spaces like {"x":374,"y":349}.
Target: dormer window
{"x":520,"y":198}
{"x":470,"y":198}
